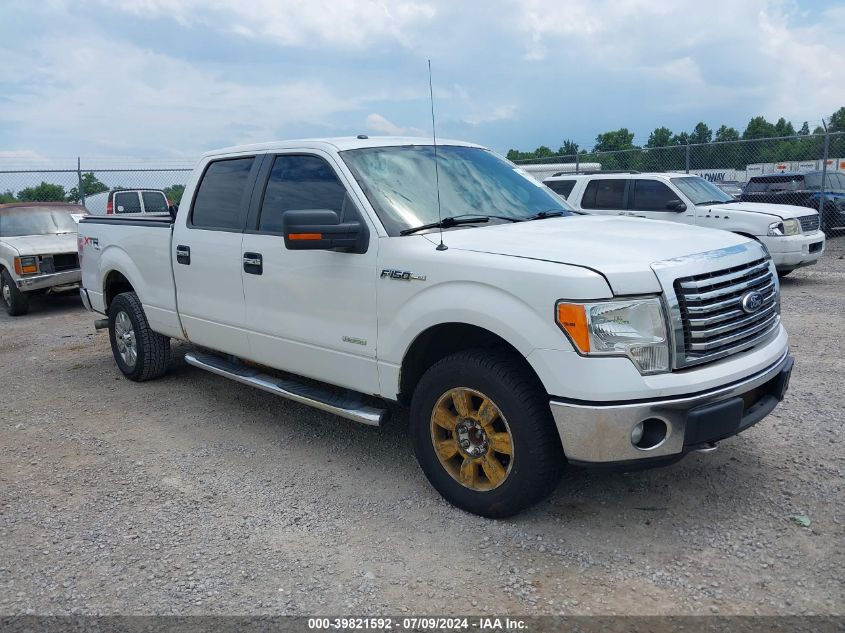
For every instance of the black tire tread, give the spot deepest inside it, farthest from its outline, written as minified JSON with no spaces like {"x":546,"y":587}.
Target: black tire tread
{"x":20,"y":302}
{"x":153,"y":348}
{"x":546,"y":453}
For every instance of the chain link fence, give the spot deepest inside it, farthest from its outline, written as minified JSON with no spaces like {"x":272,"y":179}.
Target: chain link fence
{"x":85,"y":182}
{"x":782,"y":170}
{"x":806,"y":170}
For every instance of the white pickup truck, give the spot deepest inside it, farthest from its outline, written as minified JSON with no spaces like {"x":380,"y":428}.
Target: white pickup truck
{"x":790,"y":233}
{"x":522,"y":337}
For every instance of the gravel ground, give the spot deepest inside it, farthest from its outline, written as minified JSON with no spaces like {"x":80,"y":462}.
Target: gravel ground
{"x":192,"y":494}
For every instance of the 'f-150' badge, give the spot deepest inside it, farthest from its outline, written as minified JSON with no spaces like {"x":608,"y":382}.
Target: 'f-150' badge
{"x":401,"y":275}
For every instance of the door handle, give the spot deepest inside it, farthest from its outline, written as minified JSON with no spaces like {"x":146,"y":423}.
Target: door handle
{"x":253,"y":263}
{"x":183,"y":254}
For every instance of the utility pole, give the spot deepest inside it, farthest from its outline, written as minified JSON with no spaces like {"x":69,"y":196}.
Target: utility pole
{"x":824,"y":173}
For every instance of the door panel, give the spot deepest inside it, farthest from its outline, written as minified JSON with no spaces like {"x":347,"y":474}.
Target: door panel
{"x":648,"y":199}
{"x":312,"y":313}
{"x":605,"y":196}
{"x":209,"y":285}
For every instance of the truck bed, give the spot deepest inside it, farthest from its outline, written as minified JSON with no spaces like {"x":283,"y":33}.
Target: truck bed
{"x":139,"y":247}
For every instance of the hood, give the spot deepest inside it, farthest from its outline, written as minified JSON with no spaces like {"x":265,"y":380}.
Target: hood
{"x":42,"y":244}
{"x":621,"y":249}
{"x":782,"y":211}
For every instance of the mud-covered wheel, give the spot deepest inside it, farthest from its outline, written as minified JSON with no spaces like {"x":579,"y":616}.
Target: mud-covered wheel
{"x":140,"y":353}
{"x":15,"y":301}
{"x":484,"y":435}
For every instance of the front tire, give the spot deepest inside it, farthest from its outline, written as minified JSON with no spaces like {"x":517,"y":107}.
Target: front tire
{"x":15,"y":301}
{"x":140,"y":353}
{"x":483,"y":433}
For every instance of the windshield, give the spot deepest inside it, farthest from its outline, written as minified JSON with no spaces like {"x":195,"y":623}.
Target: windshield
{"x":35,"y":221}
{"x":700,"y":191}
{"x":400,"y":184}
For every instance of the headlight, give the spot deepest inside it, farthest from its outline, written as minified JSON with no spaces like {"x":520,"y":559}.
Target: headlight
{"x":787,"y":227}
{"x":634,"y":328}
{"x":26,"y":265}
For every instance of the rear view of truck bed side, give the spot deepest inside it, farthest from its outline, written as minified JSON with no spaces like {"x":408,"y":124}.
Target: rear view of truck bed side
{"x":118,"y":254}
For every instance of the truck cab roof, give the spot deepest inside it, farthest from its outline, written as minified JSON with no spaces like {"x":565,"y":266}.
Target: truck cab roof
{"x":339,"y":144}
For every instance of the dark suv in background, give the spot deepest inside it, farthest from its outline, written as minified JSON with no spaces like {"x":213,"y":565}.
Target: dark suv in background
{"x":802,"y":189}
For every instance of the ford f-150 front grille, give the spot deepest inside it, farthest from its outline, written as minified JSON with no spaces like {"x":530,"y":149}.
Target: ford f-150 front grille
{"x":809,"y":223}
{"x":721,"y":314}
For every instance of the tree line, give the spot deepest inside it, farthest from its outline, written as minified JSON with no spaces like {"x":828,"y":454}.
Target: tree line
{"x":665,"y":149}
{"x":50,"y":192}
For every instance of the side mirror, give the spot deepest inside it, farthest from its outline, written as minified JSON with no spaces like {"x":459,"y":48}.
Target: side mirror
{"x":676,"y":205}
{"x":321,"y":230}
{"x":173,"y":209}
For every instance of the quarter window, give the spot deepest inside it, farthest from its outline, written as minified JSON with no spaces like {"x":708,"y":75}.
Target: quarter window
{"x":651,"y":195}
{"x":154,"y":202}
{"x":127,"y":202}
{"x":604,"y":194}
{"x":561,"y":187}
{"x":220,"y":196}
{"x":300,"y":182}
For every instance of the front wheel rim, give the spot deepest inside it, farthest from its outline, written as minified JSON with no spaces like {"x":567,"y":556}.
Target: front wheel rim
{"x":7,"y":292}
{"x":124,"y":337}
{"x":472,"y":439}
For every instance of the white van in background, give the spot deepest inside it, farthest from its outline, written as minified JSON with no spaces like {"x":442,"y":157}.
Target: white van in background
{"x":127,"y":201}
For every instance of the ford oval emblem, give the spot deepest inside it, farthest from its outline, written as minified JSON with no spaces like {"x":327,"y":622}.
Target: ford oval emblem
{"x":752,"y":301}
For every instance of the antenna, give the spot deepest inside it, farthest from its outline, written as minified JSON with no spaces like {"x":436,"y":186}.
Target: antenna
{"x":441,"y":246}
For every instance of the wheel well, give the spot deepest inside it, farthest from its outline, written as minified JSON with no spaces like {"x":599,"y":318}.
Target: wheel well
{"x":115,"y":284}
{"x":444,"y":340}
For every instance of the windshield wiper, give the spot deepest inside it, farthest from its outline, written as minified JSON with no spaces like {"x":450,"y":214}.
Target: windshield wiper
{"x":447,"y":222}
{"x":457,"y":220}
{"x":716,"y":202}
{"x":542,"y":215}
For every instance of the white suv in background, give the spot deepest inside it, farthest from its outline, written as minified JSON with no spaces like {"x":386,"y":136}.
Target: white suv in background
{"x":790,"y":233}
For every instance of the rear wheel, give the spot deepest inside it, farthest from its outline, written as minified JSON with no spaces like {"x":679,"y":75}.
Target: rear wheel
{"x":15,"y":301}
{"x":483,"y":433}
{"x":140,"y":353}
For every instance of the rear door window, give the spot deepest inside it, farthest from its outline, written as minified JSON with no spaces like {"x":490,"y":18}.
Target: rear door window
{"x":222,"y":195}
{"x":127,"y":202}
{"x":561,"y":187}
{"x":651,"y":195}
{"x":154,"y":202}
{"x":301,"y":182}
{"x":605,"y":194}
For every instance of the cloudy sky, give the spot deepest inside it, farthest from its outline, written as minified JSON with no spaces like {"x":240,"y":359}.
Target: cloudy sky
{"x":171,"y":78}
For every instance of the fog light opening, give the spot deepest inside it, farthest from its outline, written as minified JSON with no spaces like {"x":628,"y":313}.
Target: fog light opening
{"x":648,"y":434}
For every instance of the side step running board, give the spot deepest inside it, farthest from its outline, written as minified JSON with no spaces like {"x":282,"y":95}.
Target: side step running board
{"x":345,"y":404}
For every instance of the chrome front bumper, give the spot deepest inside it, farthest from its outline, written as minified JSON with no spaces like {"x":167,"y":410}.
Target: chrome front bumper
{"x":39,"y":282}
{"x":598,"y":433}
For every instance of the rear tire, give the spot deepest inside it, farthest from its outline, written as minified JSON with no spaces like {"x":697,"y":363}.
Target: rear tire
{"x":503,"y":453}
{"x":140,"y":353}
{"x":15,"y":301}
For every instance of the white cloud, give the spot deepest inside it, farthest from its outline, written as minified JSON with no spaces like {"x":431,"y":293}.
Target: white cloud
{"x":787,"y":62}
{"x":129,"y":97}
{"x":377,"y":123}
{"x":340,"y":23}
